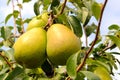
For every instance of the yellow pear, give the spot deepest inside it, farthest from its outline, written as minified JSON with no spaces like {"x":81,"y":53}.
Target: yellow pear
{"x":102,"y":73}
{"x":38,"y":21}
{"x":30,"y":48}
{"x":61,"y":44}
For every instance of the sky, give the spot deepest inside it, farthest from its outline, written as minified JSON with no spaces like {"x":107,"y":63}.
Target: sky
{"x":111,"y":14}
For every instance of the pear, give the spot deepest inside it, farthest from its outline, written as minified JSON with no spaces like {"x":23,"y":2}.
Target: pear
{"x":102,"y":73}
{"x":38,"y":21}
{"x":30,"y":48}
{"x":61,"y":44}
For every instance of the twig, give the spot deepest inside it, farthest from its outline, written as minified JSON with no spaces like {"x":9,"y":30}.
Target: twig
{"x":63,"y":7}
{"x":15,"y":27}
{"x":22,"y":26}
{"x":6,"y":59}
{"x":96,"y":38}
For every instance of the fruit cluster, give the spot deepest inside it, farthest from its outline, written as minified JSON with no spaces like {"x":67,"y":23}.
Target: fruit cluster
{"x":57,"y":44}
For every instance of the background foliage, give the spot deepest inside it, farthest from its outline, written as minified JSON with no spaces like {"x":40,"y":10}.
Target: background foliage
{"x":74,"y":13}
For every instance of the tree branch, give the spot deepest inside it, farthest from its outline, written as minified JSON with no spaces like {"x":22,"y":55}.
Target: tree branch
{"x":6,"y":60}
{"x":22,"y":26}
{"x":96,"y":38}
{"x":15,"y":27}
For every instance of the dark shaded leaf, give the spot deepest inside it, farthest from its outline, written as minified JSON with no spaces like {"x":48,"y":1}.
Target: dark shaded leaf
{"x":114,"y":27}
{"x":71,"y":65}
{"x":36,"y":8}
{"x":54,"y":3}
{"x":14,"y":73}
{"x":90,"y":75}
{"x":8,"y":17}
{"x":47,"y":68}
{"x":76,"y":26}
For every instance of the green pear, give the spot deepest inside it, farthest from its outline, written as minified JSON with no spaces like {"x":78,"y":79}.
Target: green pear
{"x":30,"y":48}
{"x":38,"y":21}
{"x":102,"y":73}
{"x":61,"y":44}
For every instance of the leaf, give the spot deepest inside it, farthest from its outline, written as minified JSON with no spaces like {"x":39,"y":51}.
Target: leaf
{"x":71,"y":65}
{"x":90,"y":29}
{"x":99,"y":63}
{"x":96,"y":10}
{"x":90,"y":75}
{"x":16,"y":13}
{"x":54,"y":3}
{"x":6,"y":32}
{"x":27,"y":20}
{"x":46,"y":4}
{"x":47,"y":68}
{"x":3,"y":76}
{"x":76,"y":26}
{"x":26,"y":1}
{"x":8,"y":17}
{"x":3,"y":32}
{"x":115,"y":39}
{"x":84,"y":14}
{"x":80,"y":76}
{"x":36,"y":8}
{"x":114,"y":27}
{"x":8,"y":2}
{"x":14,"y":73}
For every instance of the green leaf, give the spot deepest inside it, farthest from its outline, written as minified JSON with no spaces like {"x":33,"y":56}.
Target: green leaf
{"x":84,"y":14}
{"x":54,"y":3}
{"x":36,"y":8}
{"x":99,"y":63}
{"x":46,"y":4}
{"x":90,"y":29}
{"x":6,"y":32}
{"x":3,"y":76}
{"x":90,"y":75}
{"x":115,"y":39}
{"x":76,"y":26}
{"x":27,"y":20}
{"x":96,"y":10}
{"x":114,"y":27}
{"x":16,"y":13}
{"x":8,"y":2}
{"x":26,"y":1}
{"x":3,"y":32}
{"x":71,"y":65}
{"x":80,"y":76}
{"x":14,"y":73}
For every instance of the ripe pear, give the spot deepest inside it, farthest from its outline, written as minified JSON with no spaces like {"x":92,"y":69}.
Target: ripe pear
{"x":102,"y":73}
{"x":30,"y":48}
{"x":39,"y":21}
{"x":61,"y":44}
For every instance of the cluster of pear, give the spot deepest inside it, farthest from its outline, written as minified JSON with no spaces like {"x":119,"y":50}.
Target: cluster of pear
{"x":57,"y":44}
